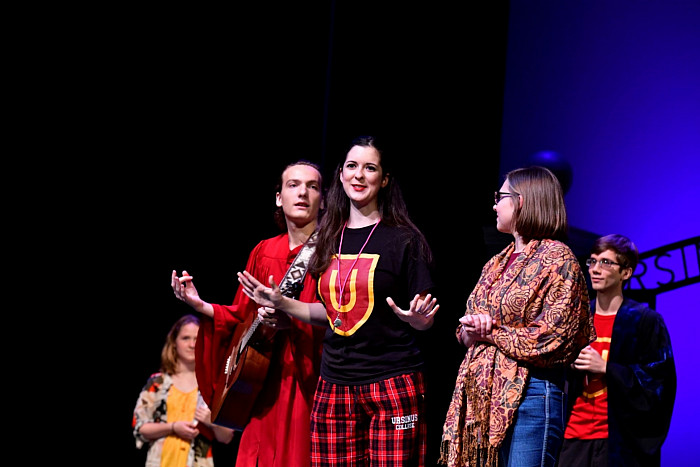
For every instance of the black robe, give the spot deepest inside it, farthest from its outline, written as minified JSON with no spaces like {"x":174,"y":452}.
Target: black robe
{"x":641,"y":379}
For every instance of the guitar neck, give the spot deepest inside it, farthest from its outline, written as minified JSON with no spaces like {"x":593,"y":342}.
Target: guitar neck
{"x":249,"y":334}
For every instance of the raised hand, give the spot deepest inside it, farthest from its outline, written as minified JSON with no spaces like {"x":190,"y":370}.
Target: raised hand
{"x":184,"y":290}
{"x":420,"y":313}
{"x":256,"y":291}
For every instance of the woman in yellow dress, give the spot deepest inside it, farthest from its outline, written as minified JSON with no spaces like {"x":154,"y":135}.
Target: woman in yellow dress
{"x":170,"y":416}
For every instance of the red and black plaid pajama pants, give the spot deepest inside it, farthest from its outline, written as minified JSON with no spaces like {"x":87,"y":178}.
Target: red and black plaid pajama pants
{"x":370,"y":425}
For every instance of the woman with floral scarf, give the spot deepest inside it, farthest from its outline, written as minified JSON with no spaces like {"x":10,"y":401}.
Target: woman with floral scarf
{"x":526,"y":320}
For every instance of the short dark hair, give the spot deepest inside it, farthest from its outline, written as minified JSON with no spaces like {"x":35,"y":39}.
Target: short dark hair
{"x":280,"y":221}
{"x":626,"y":252}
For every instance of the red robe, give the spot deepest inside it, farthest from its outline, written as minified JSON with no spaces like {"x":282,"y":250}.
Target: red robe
{"x":278,"y":433}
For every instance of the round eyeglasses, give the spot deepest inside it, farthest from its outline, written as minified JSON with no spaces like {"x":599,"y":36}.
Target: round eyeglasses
{"x":604,"y":263}
{"x":499,"y":195}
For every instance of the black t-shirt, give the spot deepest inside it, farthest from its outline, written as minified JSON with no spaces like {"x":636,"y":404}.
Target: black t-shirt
{"x":371,"y":343}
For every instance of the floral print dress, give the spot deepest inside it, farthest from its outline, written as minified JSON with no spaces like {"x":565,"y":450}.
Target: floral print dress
{"x":151,"y":406}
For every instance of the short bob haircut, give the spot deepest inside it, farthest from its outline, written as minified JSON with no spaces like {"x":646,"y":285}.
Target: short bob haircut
{"x":543,"y":211}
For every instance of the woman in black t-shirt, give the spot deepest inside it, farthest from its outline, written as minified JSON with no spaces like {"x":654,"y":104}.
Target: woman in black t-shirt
{"x":374,"y":277}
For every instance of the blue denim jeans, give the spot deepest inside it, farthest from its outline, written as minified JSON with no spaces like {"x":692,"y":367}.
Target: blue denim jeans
{"x":537,"y":432}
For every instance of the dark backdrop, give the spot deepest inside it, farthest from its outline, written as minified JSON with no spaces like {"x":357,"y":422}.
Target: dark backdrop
{"x":208,"y":106}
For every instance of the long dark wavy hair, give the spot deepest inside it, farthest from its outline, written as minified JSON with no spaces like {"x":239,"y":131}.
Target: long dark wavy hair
{"x":390,"y":202}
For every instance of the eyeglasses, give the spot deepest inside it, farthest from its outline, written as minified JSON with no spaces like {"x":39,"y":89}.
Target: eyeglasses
{"x":499,"y":195}
{"x":605,"y":263}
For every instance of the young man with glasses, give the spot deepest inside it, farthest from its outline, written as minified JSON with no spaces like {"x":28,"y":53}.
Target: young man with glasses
{"x":623,"y":386}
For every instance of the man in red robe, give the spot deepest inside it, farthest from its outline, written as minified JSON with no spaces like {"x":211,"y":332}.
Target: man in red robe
{"x":278,"y":432}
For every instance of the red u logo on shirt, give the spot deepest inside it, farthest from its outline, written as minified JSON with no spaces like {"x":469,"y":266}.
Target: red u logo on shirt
{"x":596,"y":385}
{"x":357,"y":301}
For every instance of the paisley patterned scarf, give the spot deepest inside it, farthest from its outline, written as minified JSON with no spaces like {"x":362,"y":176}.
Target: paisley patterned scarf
{"x":543,"y":319}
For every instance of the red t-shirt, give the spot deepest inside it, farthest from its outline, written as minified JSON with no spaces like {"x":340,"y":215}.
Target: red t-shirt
{"x":589,"y":417}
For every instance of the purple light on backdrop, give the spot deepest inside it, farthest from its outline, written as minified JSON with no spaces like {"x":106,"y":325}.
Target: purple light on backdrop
{"x":613,"y":91}
{"x":557,"y":164}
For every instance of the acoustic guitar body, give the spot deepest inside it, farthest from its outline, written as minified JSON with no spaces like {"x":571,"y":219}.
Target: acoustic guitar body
{"x":244,"y":374}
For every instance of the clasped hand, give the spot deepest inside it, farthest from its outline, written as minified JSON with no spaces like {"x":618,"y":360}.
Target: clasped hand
{"x":476,"y":327}
{"x":590,"y":360}
{"x":186,"y":430}
{"x":274,"y":318}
